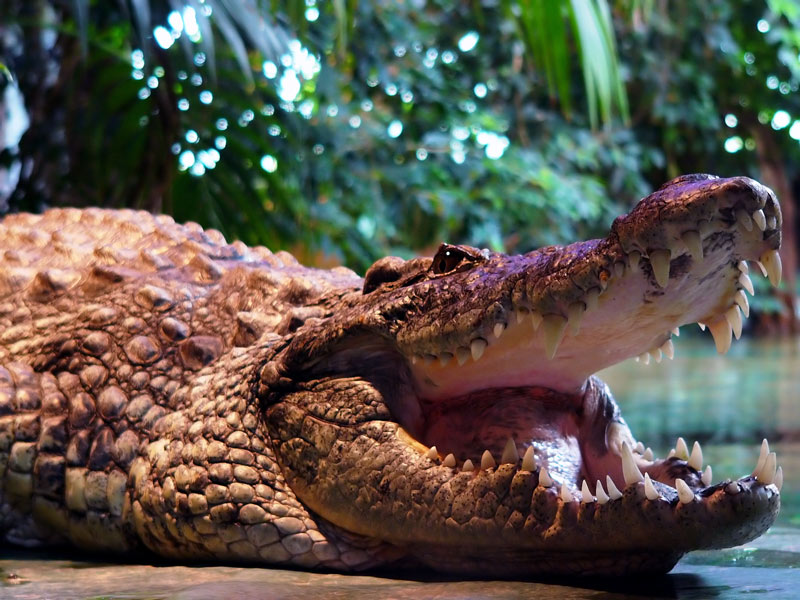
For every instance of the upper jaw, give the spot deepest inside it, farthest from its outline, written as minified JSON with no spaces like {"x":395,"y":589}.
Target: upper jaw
{"x":565,"y":313}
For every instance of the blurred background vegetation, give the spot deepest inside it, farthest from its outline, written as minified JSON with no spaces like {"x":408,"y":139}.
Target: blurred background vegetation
{"x":343,"y":130}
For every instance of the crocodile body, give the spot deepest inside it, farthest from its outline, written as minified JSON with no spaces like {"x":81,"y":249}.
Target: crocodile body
{"x":163,"y":390}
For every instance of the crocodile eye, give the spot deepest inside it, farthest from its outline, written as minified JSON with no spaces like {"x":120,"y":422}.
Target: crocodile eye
{"x":447,"y":259}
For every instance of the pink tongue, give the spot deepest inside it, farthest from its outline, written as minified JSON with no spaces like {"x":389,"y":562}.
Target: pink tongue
{"x":485,"y":420}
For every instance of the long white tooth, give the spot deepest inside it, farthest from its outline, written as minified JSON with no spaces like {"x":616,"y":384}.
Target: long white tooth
{"x":767,"y":474}
{"x":477,"y":347}
{"x":444,"y":358}
{"x":648,"y":454}
{"x":693,"y":244}
{"x":553,"y":329}
{"x":744,"y":281}
{"x":656,"y":354}
{"x":772,"y":222}
{"x":743,"y":267}
{"x":668,"y":349}
{"x":613,"y":491}
{"x":696,"y":459}
{"x":586,"y":495}
{"x":630,"y":472}
{"x":639,"y":448}
{"x":676,"y":331}
{"x":462,"y":355}
{"x":528,"y":460}
{"x":565,"y":495}
{"x":702,"y":326}
{"x":432,"y":453}
{"x":574,"y":316}
{"x":649,"y":489}
{"x":602,"y":497}
{"x":681,"y":449}
{"x":510,"y":454}
{"x":778,"y":481}
{"x":762,"y":456}
{"x":671,"y":453}
{"x":498,"y":329}
{"x":721,"y":332}
{"x":734,"y":317}
{"x":591,"y":298}
{"x":659,"y":260}
{"x":744,"y":219}
{"x":544,"y":478}
{"x":521,"y":313}
{"x":760,"y":219}
{"x":468,"y":466}
{"x":772,"y":263}
{"x":487,"y":460}
{"x":761,"y":268}
{"x":733,"y":488}
{"x":536,"y":319}
{"x":644,"y":358}
{"x":633,"y":259}
{"x":706,"y":476}
{"x":740,"y":298}
{"x":685,"y":494}
{"x":449,"y":461}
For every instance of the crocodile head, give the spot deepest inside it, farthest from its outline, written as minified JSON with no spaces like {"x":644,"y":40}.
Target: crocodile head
{"x":449,"y":409}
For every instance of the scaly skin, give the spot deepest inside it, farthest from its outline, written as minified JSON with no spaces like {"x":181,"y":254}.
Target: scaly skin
{"x":163,"y":390}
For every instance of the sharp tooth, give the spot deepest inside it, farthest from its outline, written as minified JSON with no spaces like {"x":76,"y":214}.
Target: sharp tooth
{"x":762,"y":456}
{"x":659,"y":260}
{"x":733,"y":488}
{"x":693,"y":244}
{"x":676,"y":331}
{"x":743,"y":267}
{"x":744,"y":219}
{"x":602,"y":497}
{"x":591,"y":298}
{"x":477,"y":347}
{"x":760,"y":219}
{"x":761,"y":268}
{"x":656,"y":354}
{"x":639,"y":448}
{"x":648,"y":454}
{"x":444,"y":358}
{"x":619,"y":269}
{"x":613,"y":491}
{"x":649,"y":489}
{"x":544,"y":478}
{"x":565,"y":495}
{"x":644,"y":358}
{"x":630,"y":472}
{"x":772,"y":222}
{"x":487,"y":460}
{"x":702,"y":326}
{"x":772,"y":263}
{"x":767,"y":473}
{"x":432,"y":453}
{"x":734,"y":317}
{"x":528,"y":460}
{"x":521,"y":313}
{"x":706,"y":476}
{"x":778,"y":481}
{"x":498,"y":330}
{"x":633,"y":259}
{"x":553,"y":329}
{"x":668,"y":349}
{"x":574,"y":316}
{"x":536,"y":319}
{"x":721,"y":332}
{"x":696,"y":459}
{"x":681,"y":449}
{"x":744,"y":281}
{"x":468,"y":466}
{"x":415,"y":358}
{"x":462,"y":355}
{"x":586,"y":495}
{"x":449,"y":461}
{"x":510,"y":454}
{"x":685,"y":494}
{"x":671,"y":453}
{"x":741,"y":300}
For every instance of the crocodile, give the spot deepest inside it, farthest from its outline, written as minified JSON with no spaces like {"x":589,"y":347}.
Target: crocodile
{"x":164,"y":391}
